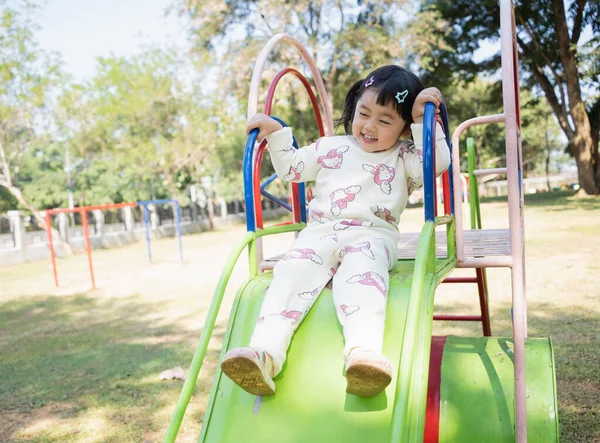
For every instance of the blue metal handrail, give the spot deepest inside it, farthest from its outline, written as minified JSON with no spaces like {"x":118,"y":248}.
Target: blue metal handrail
{"x":249,"y":182}
{"x":429,"y":173}
{"x":429,"y":162}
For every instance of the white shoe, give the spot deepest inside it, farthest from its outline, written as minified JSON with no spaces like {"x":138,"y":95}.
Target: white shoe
{"x":251,"y":370}
{"x":368,"y":373}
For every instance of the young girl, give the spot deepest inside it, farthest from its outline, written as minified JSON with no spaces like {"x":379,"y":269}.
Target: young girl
{"x":362,"y":181}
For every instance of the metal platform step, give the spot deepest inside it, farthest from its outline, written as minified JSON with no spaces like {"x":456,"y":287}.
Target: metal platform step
{"x":478,"y":243}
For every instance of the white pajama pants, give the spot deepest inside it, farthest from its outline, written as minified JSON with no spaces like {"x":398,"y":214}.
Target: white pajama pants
{"x":357,"y":258}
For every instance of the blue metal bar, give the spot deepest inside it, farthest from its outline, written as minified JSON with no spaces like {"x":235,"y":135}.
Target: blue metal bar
{"x":302,"y":201}
{"x":147,"y":223}
{"x":155,"y":202}
{"x":248,"y":188}
{"x":277,"y":200}
{"x":268,"y":181}
{"x":270,"y":196}
{"x":428,"y":161}
{"x":444,"y":115}
{"x":178,"y":228}
{"x":176,"y":211}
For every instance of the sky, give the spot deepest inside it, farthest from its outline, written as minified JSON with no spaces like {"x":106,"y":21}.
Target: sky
{"x":82,"y":30}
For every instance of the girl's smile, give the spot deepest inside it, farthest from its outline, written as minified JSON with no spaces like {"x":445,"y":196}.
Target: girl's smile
{"x":375,"y":127}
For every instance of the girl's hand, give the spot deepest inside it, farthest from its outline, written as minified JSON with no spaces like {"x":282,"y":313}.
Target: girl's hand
{"x":265,"y":124}
{"x":432,"y":95}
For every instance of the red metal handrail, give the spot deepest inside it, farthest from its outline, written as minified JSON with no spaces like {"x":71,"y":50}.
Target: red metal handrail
{"x":259,"y":152}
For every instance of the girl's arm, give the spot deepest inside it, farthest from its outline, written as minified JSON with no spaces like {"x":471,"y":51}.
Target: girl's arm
{"x":292,"y":165}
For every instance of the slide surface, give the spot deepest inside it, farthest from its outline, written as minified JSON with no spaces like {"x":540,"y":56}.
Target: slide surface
{"x":311,"y":404}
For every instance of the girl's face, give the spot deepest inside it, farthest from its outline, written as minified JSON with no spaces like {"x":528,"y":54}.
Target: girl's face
{"x":375,"y":127}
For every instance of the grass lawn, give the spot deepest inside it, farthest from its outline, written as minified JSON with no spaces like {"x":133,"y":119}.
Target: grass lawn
{"x":82,"y":365}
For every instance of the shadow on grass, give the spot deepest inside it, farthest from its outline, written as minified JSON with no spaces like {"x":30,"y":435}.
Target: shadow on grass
{"x":576,"y":343}
{"x":78,"y":358}
{"x":65,"y":357}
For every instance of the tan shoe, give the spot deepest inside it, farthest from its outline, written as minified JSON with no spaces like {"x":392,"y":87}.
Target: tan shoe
{"x":367,"y":373}
{"x":251,"y":370}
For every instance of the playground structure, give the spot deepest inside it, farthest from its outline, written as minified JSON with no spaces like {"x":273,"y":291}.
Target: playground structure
{"x":83,"y":210}
{"x":447,"y":389}
{"x":177,"y":217}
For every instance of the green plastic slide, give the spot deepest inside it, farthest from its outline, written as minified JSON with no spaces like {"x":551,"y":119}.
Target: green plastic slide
{"x":311,"y":404}
{"x":476,"y":388}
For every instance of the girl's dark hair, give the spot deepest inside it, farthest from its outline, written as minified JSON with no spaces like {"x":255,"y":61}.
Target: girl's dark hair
{"x":386,"y":81}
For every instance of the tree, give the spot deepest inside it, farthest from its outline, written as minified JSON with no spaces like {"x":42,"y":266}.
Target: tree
{"x":143,"y":124}
{"x":541,"y":135}
{"x":477,"y":97}
{"x":28,"y":78}
{"x":466,"y":99}
{"x":346,"y":38}
{"x":557,"y":58}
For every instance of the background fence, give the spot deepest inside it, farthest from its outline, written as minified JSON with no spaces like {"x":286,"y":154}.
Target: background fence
{"x":21,"y":240}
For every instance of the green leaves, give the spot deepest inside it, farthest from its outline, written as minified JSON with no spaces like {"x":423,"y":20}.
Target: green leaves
{"x":558,"y":58}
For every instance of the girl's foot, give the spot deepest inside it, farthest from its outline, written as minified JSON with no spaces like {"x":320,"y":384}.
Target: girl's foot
{"x":367,"y":373}
{"x":249,"y":369}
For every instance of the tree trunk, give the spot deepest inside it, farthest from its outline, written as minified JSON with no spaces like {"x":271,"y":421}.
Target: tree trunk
{"x":41,"y":222}
{"x":581,"y":140}
{"x":581,"y":147}
{"x":548,"y":157}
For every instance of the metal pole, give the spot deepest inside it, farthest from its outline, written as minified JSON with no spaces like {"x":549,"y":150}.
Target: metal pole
{"x":178,"y":227}
{"x":88,"y":246}
{"x":71,"y":198}
{"x":51,"y":247}
{"x":510,"y":87}
{"x":146,"y":222}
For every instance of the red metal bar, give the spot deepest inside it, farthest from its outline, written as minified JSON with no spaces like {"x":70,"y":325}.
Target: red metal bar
{"x":432,"y":414}
{"x":51,"y":247}
{"x":88,"y":246}
{"x":259,"y":153}
{"x":483,"y":303}
{"x":460,"y":280}
{"x":445,"y":176}
{"x":91,"y":208}
{"x":457,"y":317}
{"x":83,"y":210}
{"x":435,"y":187}
{"x":295,"y":203}
{"x":258,"y":213}
{"x":446,"y":188}
{"x":307,"y":86}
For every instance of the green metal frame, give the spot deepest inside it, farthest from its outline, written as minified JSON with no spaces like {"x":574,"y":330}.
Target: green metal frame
{"x":407,"y":416}
{"x":211,"y":317}
{"x":411,"y":396}
{"x":474,"y":206}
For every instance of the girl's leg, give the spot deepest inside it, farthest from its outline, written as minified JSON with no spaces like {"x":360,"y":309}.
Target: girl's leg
{"x":360,"y":289}
{"x":297,"y":281}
